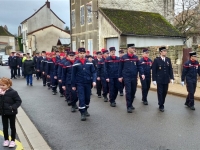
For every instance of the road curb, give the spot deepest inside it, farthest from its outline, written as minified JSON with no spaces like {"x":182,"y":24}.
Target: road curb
{"x":173,"y":93}
{"x":33,"y":138}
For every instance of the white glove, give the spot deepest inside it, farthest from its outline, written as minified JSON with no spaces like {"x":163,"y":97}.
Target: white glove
{"x":172,"y":81}
{"x":154,"y":82}
{"x":182,"y":83}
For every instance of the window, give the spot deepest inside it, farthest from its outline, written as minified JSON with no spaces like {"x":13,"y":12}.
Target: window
{"x":73,"y":1}
{"x":89,"y":12}
{"x":73,"y":46}
{"x":82,"y":15}
{"x":90,"y":46}
{"x":73,"y":18}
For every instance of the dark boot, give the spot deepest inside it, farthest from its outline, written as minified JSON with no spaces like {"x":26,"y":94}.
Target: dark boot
{"x":113,"y":104}
{"x":87,"y":114}
{"x":83,"y":117}
{"x":73,"y":109}
{"x":129,"y":110}
{"x":105,"y":99}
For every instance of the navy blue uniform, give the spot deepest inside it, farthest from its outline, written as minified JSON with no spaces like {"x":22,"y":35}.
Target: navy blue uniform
{"x":128,"y":70}
{"x":36,"y":61}
{"x":99,"y":85}
{"x":146,"y":64}
{"x":111,"y":73}
{"x":81,"y":78}
{"x":190,"y":72}
{"x":19,"y":64}
{"x":50,"y":72}
{"x":162,"y":72}
{"x":43,"y":66}
{"x":12,"y":63}
{"x":66,"y":81}
{"x":101,"y":74}
{"x":59,"y":75}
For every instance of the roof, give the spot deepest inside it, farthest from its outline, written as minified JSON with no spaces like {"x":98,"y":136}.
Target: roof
{"x":38,"y":11}
{"x":47,"y":27}
{"x":128,"y":22}
{"x":4,"y":32}
{"x":64,"y":41}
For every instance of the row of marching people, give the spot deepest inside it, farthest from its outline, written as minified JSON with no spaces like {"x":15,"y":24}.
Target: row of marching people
{"x":75,"y":75}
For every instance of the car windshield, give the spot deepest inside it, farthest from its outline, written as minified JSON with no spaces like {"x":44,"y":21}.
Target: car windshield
{"x":5,"y":57}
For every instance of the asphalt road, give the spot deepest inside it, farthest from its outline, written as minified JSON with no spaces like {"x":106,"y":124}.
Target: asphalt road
{"x":110,"y":128}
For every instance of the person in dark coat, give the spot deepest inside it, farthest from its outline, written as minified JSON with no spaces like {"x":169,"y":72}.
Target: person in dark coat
{"x":19,"y":64}
{"x":9,"y":102}
{"x":29,"y":68}
{"x":162,"y":74}
{"x":12,"y":63}
{"x":190,"y":71}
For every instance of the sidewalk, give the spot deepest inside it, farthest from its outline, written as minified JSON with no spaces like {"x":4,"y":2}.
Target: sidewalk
{"x":176,"y":89}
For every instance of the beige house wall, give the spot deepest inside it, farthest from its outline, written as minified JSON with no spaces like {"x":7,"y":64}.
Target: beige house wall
{"x":10,"y":40}
{"x":45,"y":39}
{"x":105,"y":31}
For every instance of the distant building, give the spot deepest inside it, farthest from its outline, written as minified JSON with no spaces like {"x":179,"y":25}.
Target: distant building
{"x":7,"y":40}
{"x":42,"y":30}
{"x":97,"y":24}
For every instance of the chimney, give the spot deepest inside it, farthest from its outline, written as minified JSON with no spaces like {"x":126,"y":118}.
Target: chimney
{"x":48,"y":4}
{"x":5,"y":27}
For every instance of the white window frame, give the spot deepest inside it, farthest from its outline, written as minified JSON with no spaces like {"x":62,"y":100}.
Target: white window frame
{"x":89,"y":14}
{"x":82,"y":15}
{"x":73,"y":46}
{"x":91,"y":44}
{"x":73,"y":18}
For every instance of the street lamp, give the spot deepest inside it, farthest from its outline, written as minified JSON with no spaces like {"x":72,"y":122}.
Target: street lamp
{"x":89,"y":6}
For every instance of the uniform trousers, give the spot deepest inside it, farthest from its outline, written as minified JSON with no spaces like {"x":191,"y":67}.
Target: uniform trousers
{"x":72,"y":95}
{"x":145,"y":88}
{"x":104,"y":86}
{"x":99,"y":87}
{"x":113,"y":89}
{"x":130,"y":90}
{"x":13,"y":71}
{"x":162,"y":90}
{"x":191,"y":88}
{"x":84,"y":92}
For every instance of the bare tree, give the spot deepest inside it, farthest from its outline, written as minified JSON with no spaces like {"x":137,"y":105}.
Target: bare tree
{"x":187,"y":17}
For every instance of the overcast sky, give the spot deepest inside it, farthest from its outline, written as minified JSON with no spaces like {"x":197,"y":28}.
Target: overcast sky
{"x":13,"y":12}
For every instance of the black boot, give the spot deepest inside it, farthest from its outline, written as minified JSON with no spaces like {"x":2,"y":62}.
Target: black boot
{"x":73,"y":109}
{"x":83,"y":117}
{"x":105,"y":99}
{"x":87,"y":114}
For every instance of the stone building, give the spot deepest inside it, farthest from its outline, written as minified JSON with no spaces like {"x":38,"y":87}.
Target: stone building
{"x":42,"y":30}
{"x":97,"y":24}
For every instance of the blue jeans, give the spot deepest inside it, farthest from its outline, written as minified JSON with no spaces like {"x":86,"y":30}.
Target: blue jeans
{"x":29,"y":79}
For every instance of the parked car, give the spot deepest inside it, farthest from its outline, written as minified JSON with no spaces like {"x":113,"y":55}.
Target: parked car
{"x":4,"y":60}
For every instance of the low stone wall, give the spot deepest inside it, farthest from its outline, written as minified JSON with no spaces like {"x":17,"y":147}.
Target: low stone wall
{"x":175,"y":53}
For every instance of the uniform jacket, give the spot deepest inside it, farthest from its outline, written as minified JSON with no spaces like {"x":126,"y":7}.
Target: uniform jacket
{"x":19,"y":61}
{"x":83,"y":73}
{"x":190,"y":71}
{"x":100,"y":68}
{"x":56,"y":66}
{"x":12,"y":61}
{"x":67,"y":73}
{"x":29,"y":67}
{"x":162,"y":71}
{"x":60,"y":68}
{"x":43,"y":64}
{"x":50,"y":67}
{"x":38,"y":63}
{"x":147,"y":66}
{"x":111,"y":68}
{"x":10,"y":101}
{"x":130,"y":66}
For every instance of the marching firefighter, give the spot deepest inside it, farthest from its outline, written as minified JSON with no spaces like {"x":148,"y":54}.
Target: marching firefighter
{"x":128,"y":71}
{"x":99,"y":85}
{"x":190,"y":70}
{"x":162,"y":74}
{"x":101,"y":74}
{"x":111,"y":75}
{"x":146,"y":64}
{"x":66,"y":80}
{"x":42,"y":66}
{"x":121,"y":84}
{"x":82,"y":73}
